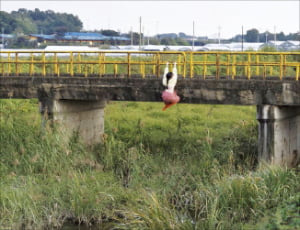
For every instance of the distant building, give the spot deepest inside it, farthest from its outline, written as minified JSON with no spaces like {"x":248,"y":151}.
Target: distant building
{"x":211,"y":47}
{"x":6,"y":36}
{"x":70,"y":48}
{"x":273,"y":44}
{"x":238,"y":46}
{"x":283,"y":45}
{"x":152,"y":48}
{"x":80,"y":37}
{"x":168,"y":35}
{"x":290,"y":45}
{"x":43,"y":37}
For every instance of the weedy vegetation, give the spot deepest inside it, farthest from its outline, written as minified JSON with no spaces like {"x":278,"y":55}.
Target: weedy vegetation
{"x":191,"y":167}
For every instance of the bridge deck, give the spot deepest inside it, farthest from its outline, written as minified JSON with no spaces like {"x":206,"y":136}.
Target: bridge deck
{"x":191,"y":90}
{"x":252,"y":78}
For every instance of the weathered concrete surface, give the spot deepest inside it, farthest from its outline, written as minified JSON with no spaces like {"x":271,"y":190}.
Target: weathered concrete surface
{"x":241,"y":92}
{"x":279,"y":134}
{"x":85,"y":118}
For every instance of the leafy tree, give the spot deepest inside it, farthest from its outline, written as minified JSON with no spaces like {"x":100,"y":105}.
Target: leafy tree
{"x":182,"y":35}
{"x":181,"y":42}
{"x":280,"y":36}
{"x":110,"y":33}
{"x":154,"y":41}
{"x":60,"y":31}
{"x":198,"y":43}
{"x":252,"y":35}
{"x":168,"y":41}
{"x":7,"y":22}
{"x":25,"y":25}
{"x":136,"y":38}
{"x":293,"y":36}
{"x":47,"y":22}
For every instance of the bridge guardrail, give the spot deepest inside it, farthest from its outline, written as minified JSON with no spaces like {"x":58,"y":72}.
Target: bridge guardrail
{"x":143,"y":63}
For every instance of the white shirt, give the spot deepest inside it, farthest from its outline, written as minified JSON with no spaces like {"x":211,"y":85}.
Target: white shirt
{"x":172,"y":82}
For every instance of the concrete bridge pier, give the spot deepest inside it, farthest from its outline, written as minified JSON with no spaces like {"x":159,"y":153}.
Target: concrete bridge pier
{"x":279,"y":134}
{"x":86,"y":118}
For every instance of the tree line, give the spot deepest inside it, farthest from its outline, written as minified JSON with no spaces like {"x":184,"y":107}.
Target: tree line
{"x":253,"y":35}
{"x":26,"y":21}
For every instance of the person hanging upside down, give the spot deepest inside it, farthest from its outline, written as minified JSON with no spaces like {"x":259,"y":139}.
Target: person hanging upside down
{"x":169,"y":96}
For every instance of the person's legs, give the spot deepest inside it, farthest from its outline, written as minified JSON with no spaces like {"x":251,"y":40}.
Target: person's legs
{"x":168,"y":106}
{"x":170,"y":99}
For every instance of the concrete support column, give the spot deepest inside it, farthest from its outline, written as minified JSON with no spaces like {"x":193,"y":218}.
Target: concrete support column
{"x":84,"y":117}
{"x":279,"y":134}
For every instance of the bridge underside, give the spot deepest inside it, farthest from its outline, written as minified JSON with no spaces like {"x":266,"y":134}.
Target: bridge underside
{"x":279,"y":134}
{"x":78,"y":104}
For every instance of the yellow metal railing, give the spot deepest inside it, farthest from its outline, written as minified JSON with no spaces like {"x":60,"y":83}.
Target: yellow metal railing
{"x":146,"y":63}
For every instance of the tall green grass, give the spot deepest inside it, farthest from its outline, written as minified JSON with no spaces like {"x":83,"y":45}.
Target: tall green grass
{"x":191,"y":167}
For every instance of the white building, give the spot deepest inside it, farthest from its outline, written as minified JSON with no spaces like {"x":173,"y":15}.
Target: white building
{"x":238,"y":46}
{"x":211,"y":47}
{"x":290,"y":45}
{"x":283,"y":45}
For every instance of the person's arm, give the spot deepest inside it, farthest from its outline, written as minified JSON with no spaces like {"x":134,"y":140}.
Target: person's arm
{"x":175,"y":69}
{"x":173,"y":80}
{"x":164,"y":81}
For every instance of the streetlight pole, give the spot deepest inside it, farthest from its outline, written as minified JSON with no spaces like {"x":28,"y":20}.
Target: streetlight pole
{"x":275,"y":37}
{"x":219,"y":34}
{"x":157,"y":33}
{"x":193,"y":42}
{"x":2,"y":37}
{"x":242,"y":38}
{"x":131,"y":36}
{"x":140,"y":42}
{"x":143,"y":36}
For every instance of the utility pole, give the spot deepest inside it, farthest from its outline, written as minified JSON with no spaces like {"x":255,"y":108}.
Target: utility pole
{"x":193,"y":42}
{"x":131,"y":36}
{"x":140,"y":42}
{"x":219,"y":34}
{"x":143,"y":36}
{"x":275,"y":37}
{"x":2,"y":37}
{"x":242,"y":38}
{"x":157,"y":36}
{"x":266,"y":36}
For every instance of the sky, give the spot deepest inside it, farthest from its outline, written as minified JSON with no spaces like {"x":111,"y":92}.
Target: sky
{"x":210,"y":17}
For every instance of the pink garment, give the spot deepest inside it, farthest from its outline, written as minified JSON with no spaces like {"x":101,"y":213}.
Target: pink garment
{"x":169,"y":97}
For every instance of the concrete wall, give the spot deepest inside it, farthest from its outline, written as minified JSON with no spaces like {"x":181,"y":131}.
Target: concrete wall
{"x":85,"y":118}
{"x":279,"y":134}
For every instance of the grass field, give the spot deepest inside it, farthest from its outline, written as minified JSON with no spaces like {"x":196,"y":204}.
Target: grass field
{"x":191,"y":167}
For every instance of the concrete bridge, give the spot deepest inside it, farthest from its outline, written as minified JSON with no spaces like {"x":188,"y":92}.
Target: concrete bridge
{"x":78,"y":102}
